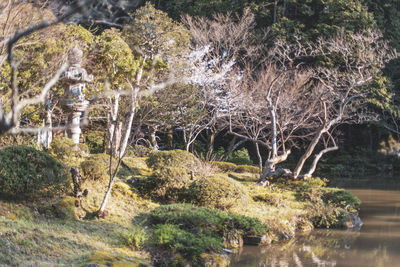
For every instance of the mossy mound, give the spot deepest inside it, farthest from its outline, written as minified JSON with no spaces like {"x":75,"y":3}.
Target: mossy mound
{"x":101,"y":258}
{"x":225,"y":166}
{"x":96,"y":166}
{"x":219,"y":192}
{"x":167,"y":184}
{"x":340,"y":198}
{"x":138,"y":151}
{"x":192,"y":231}
{"x":247,"y":169}
{"x":14,"y":211}
{"x":231,"y":167}
{"x":174,"y":158}
{"x":27,"y":173}
{"x":66,"y":151}
{"x":134,"y":166}
{"x":64,"y":208}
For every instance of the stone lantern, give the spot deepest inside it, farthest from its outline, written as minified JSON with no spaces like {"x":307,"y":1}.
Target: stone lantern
{"x":75,"y":79}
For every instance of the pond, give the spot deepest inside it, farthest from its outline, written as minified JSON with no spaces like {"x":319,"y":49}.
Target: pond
{"x":376,"y":244}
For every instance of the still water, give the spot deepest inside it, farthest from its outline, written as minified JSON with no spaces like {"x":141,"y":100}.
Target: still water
{"x":376,"y":244}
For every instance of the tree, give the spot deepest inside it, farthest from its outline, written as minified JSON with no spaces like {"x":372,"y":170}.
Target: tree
{"x":163,"y":43}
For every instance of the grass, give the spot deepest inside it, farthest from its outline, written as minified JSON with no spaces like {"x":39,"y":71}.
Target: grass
{"x":42,"y":241}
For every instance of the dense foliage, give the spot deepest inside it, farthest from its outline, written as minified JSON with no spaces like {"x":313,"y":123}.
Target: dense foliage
{"x":27,"y":173}
{"x":191,"y":231}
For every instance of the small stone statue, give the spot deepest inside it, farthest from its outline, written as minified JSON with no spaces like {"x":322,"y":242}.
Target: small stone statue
{"x":77,"y":181}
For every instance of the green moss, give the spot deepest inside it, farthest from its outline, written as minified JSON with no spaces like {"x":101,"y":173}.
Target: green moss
{"x":247,"y":168}
{"x":219,"y":192}
{"x":192,"y":231}
{"x":225,"y":166}
{"x":138,"y":151}
{"x":27,"y":173}
{"x":173,"y":158}
{"x":66,"y":151}
{"x":169,"y":183}
{"x":134,"y":166}
{"x":101,"y":258}
{"x":64,"y":208}
{"x":96,"y":166}
{"x":136,"y":237}
{"x":95,"y":141}
{"x":340,"y":198}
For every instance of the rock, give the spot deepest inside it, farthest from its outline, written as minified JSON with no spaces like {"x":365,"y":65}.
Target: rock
{"x":263,"y":183}
{"x":216,"y":260}
{"x":352,"y":221}
{"x":233,"y":240}
{"x":256,"y":240}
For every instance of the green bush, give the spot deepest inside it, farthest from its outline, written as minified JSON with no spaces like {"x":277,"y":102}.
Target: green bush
{"x":27,"y":173}
{"x":136,"y":237}
{"x":247,"y":168}
{"x":95,"y":141}
{"x":138,"y":151}
{"x":240,"y":156}
{"x":218,"y":192}
{"x":168,"y":184}
{"x":96,"y":166}
{"x":173,"y":158}
{"x":66,"y":151}
{"x":225,"y":166}
{"x":340,"y":198}
{"x":191,"y":231}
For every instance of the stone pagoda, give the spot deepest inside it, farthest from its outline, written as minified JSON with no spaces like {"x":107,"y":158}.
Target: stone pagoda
{"x":75,"y":79}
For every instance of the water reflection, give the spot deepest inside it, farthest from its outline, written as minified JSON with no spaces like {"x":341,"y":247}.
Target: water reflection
{"x":376,"y":244}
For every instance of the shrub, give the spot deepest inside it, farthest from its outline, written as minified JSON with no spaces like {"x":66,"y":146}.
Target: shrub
{"x":218,"y":192}
{"x":66,"y":151}
{"x":240,"y":156}
{"x":95,"y":141}
{"x":340,"y":198}
{"x":133,"y":166}
{"x":135,"y":238}
{"x":29,"y":173}
{"x":173,"y":158}
{"x":225,"y":166}
{"x":247,"y":168}
{"x":168,"y":183}
{"x":191,"y":230}
{"x":96,"y":166}
{"x":138,"y":151}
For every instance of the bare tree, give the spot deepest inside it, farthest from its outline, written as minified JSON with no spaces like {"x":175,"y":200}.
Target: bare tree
{"x":274,"y":109}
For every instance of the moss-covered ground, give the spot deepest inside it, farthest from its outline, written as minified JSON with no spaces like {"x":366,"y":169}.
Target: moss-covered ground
{"x":59,"y":231}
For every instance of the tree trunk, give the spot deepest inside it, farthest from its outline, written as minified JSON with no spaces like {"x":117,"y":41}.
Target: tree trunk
{"x":112,"y":120}
{"x":210,"y":144}
{"x":153,"y":137}
{"x":170,"y":138}
{"x":232,"y":147}
{"x":270,"y":164}
{"x":108,"y":193}
{"x":274,"y":130}
{"x":317,"y":158}
{"x":275,"y":10}
{"x":122,"y":145}
{"x":309,"y":151}
{"x":260,"y":164}
{"x":187,"y":143}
